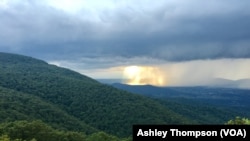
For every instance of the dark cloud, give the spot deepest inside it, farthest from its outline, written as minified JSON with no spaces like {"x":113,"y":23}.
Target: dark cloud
{"x":172,"y":31}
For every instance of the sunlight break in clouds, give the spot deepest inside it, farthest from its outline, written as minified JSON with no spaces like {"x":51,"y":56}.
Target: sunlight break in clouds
{"x":143,"y":75}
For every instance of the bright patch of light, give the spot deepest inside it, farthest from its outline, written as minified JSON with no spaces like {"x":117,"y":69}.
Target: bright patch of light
{"x":3,"y":3}
{"x":70,"y":6}
{"x":77,"y":6}
{"x":142,"y":75}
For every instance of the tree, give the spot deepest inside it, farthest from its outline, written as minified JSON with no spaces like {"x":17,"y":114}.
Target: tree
{"x":102,"y":136}
{"x":7,"y":138}
{"x":4,"y":138}
{"x":36,"y":130}
{"x":239,"y":121}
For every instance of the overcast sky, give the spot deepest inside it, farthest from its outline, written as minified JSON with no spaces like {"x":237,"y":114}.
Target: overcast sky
{"x":190,"y":41}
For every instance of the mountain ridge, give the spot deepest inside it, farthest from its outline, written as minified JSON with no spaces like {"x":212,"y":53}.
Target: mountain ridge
{"x":87,"y":102}
{"x":100,"y":106}
{"x":215,"y":82}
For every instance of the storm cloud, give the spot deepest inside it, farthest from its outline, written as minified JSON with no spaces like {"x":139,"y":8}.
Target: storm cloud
{"x":175,"y":31}
{"x":90,"y":34}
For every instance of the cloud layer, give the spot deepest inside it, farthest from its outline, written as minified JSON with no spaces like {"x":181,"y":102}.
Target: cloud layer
{"x":175,"y":31}
{"x":114,"y":33}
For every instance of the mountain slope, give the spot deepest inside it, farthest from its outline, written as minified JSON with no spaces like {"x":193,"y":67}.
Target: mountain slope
{"x":101,"y":106}
{"x":20,"y":106}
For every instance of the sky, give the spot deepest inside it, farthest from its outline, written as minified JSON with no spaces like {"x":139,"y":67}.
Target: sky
{"x":163,"y":42}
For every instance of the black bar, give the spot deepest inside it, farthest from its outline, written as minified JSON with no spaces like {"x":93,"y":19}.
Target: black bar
{"x":191,"y":132}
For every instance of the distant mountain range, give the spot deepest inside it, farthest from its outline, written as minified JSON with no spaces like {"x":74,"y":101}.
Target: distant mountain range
{"x":220,"y":82}
{"x":111,"y":81}
{"x":217,"y":82}
{"x":231,"y":98}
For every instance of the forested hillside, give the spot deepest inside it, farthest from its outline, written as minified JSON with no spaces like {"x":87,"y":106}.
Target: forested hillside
{"x":37,"y":90}
{"x":39,"y":131}
{"x":67,"y":101}
{"x":21,"y":106}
